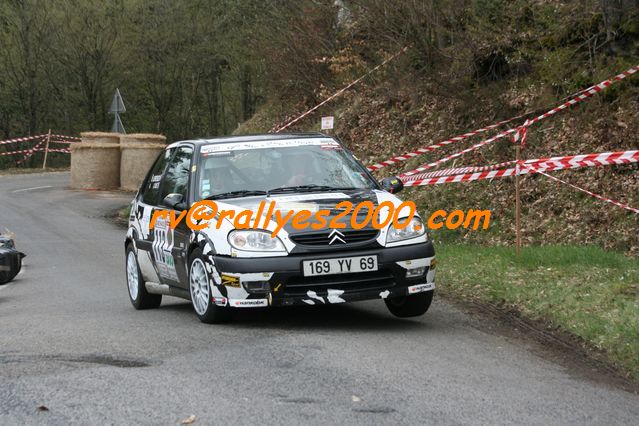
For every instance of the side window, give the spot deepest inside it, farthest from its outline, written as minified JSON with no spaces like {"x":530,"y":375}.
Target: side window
{"x":151,"y":186}
{"x":176,"y":179}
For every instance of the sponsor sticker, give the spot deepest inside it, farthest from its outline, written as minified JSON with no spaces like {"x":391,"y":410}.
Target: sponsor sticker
{"x":248,"y":303}
{"x":420,"y":288}
{"x":230,"y":280}
{"x":162,"y":245}
{"x":218,"y":154}
{"x":282,"y":143}
{"x":331,"y":147}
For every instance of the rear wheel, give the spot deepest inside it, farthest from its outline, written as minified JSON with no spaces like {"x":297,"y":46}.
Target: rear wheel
{"x":410,"y":306}
{"x":140,"y":298}
{"x":201,"y":292}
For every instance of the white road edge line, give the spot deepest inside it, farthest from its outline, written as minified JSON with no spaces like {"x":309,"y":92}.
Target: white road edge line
{"x":31,"y":189}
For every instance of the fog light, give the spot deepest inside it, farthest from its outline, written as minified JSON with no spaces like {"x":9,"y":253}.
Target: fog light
{"x":415,"y":272}
{"x":256,"y":286}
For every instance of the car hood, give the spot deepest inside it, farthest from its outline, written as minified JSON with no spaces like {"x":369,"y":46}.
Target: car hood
{"x":312,"y":201}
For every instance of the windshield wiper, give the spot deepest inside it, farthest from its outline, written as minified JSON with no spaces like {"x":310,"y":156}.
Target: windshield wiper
{"x":233,"y":194}
{"x":301,"y":188}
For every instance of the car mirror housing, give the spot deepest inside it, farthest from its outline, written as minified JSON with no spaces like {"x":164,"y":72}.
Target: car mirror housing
{"x":175,"y":201}
{"x":392,"y":184}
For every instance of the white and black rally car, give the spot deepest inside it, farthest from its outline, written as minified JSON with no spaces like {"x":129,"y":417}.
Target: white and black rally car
{"x":221,"y":268}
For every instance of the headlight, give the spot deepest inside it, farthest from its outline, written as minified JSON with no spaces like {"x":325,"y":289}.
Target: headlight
{"x":414,"y":229}
{"x":255,"y":241}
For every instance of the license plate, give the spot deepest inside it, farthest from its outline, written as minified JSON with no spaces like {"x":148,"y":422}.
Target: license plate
{"x":341,"y":265}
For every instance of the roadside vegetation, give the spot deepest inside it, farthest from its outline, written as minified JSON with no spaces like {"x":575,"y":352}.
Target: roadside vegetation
{"x":589,"y":292}
{"x":21,"y":171}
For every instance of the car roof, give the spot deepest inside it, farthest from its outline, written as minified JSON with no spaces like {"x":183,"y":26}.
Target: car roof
{"x":255,"y":137}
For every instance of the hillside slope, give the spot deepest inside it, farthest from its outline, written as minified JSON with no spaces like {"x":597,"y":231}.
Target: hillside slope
{"x":381,"y":120}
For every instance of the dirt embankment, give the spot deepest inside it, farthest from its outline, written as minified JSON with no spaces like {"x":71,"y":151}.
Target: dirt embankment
{"x":378,"y":122}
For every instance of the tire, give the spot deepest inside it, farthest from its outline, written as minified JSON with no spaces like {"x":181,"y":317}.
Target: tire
{"x":13,"y":260}
{"x":139,"y":297}
{"x":410,"y":306}
{"x":200,"y":291}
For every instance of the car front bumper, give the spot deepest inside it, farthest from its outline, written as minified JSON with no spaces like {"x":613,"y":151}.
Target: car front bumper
{"x":288,"y":286}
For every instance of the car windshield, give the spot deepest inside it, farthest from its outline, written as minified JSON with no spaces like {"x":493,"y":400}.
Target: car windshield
{"x":262,"y":167}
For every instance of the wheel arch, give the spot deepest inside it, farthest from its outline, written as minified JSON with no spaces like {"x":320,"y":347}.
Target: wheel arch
{"x":131,"y":237}
{"x":200,"y":241}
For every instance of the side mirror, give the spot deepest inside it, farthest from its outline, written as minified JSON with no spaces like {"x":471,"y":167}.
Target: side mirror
{"x":392,"y":184}
{"x":174,"y":200}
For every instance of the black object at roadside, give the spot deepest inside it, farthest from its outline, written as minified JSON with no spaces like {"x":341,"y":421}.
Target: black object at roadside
{"x":10,"y":260}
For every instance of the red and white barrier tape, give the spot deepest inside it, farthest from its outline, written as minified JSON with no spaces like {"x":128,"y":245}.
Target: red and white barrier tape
{"x":552,"y":163}
{"x":71,"y":138}
{"x":279,"y":128}
{"x":23,"y":151}
{"x":592,"y":194}
{"x":459,"y":138}
{"x":466,"y":177}
{"x":459,"y":170}
{"x":583,"y":96}
{"x":54,"y":139}
{"x":63,"y":151}
{"x":478,"y":145}
{"x":30,"y":153}
{"x":520,"y":135}
{"x":580,"y":96}
{"x":441,"y":144}
{"x":543,"y":164}
{"x":584,"y":160}
{"x":24,"y":139}
{"x":34,"y":150}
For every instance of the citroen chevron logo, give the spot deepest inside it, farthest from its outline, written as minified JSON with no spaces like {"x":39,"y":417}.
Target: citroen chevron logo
{"x":335,"y":235}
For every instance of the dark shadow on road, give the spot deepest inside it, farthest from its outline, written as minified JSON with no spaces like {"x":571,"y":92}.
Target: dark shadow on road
{"x":347,"y":317}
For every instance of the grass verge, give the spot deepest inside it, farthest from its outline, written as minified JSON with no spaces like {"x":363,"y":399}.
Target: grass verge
{"x":24,"y":171}
{"x":121,"y":216}
{"x":587,"y":291}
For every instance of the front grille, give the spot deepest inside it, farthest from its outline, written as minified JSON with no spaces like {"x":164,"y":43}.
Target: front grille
{"x":321,"y":238}
{"x":360,"y":281}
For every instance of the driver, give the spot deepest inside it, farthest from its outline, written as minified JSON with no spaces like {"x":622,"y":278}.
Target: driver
{"x":301,"y":167}
{"x":215,"y":179}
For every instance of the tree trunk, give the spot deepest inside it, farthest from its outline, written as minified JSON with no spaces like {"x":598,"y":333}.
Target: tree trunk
{"x":615,"y":12}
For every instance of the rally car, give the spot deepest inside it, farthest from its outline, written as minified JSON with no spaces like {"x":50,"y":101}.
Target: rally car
{"x":220,"y":268}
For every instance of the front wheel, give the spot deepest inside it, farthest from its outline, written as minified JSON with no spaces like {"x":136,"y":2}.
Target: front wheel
{"x":410,"y":306}
{"x":200,"y":289}
{"x":140,"y":298}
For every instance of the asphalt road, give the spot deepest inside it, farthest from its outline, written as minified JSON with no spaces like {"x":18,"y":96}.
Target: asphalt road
{"x":71,"y":341}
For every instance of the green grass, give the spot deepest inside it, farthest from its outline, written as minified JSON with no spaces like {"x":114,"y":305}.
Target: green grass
{"x":124,"y":213}
{"x":587,"y":291}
